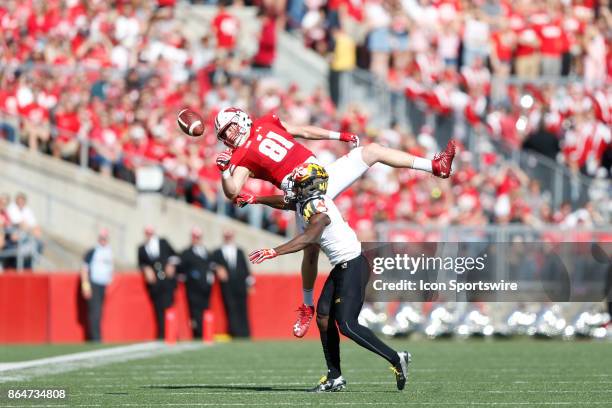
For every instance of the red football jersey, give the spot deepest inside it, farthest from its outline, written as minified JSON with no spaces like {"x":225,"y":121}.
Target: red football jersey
{"x":270,"y":152}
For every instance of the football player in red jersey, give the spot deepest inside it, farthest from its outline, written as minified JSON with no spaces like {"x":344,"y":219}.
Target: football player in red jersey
{"x":266,"y":149}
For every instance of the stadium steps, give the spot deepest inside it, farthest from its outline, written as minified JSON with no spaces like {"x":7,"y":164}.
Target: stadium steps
{"x":294,"y":62}
{"x":58,"y":255}
{"x":61,"y":254}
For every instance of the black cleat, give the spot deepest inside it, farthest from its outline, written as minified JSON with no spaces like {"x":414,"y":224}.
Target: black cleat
{"x":332,"y":385}
{"x":401,"y":370}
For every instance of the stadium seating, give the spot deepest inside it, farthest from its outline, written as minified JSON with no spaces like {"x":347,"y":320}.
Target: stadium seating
{"x":101,"y":87}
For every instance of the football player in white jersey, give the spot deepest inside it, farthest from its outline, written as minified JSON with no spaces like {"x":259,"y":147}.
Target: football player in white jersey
{"x":344,"y":291}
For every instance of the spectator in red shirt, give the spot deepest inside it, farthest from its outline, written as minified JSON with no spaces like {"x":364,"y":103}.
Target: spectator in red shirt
{"x":266,"y":52}
{"x":503,"y":42}
{"x":135,"y":148}
{"x":553,"y":45}
{"x":226,"y":28}
{"x":527,"y":64}
{"x":67,"y":126}
{"x":107,"y":148}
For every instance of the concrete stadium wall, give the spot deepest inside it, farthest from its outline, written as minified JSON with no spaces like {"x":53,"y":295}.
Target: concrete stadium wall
{"x":73,"y":203}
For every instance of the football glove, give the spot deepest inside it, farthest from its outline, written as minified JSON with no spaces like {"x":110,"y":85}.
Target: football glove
{"x":351,"y":138}
{"x":261,"y":255}
{"x":223,"y":159}
{"x":245,"y":199}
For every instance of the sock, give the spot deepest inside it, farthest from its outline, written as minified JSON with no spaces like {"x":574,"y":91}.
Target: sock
{"x":422,"y":164}
{"x":330,"y":340}
{"x":307,"y":294}
{"x":333,"y":373}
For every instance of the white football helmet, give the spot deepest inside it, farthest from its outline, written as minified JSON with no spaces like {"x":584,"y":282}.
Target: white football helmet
{"x":225,"y":118}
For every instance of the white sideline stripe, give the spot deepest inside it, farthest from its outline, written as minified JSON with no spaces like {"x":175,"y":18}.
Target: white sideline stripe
{"x":78,"y":356}
{"x":68,"y":362}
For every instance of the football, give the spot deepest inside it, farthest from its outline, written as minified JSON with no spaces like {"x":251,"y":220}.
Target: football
{"x":190,"y":122}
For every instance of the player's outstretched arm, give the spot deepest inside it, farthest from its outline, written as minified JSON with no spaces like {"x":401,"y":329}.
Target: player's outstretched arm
{"x":317,"y":133}
{"x":274,"y":201}
{"x":233,"y":183}
{"x":313,"y":231}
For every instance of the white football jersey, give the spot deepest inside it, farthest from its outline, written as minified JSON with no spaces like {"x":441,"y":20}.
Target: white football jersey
{"x":338,"y":241}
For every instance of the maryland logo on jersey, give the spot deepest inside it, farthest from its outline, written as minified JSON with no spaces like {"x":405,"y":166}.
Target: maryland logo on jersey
{"x":312,"y":207}
{"x":309,"y":180}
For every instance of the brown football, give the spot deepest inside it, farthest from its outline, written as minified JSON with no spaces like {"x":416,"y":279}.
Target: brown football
{"x":190,"y":122}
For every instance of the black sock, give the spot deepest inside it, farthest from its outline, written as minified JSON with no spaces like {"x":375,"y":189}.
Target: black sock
{"x":365,"y":338}
{"x":330,"y":340}
{"x":333,"y":345}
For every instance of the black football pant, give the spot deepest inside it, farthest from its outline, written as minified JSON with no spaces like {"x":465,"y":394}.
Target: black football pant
{"x":338,"y":308}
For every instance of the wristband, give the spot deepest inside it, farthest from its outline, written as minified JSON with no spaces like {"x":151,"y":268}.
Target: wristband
{"x":334,"y":135}
{"x":226,"y":174}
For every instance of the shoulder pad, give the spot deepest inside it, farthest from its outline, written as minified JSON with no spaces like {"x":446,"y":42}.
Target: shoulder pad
{"x":312,"y":207}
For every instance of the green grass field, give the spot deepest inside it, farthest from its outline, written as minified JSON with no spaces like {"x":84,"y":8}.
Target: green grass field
{"x":270,"y":374}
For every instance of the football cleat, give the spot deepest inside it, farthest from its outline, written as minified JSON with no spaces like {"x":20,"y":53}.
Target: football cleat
{"x":329,"y":385}
{"x":305,"y":315}
{"x":441,"y":165}
{"x":401,"y":370}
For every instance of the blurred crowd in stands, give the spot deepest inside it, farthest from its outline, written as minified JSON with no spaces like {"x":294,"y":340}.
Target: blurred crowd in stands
{"x":527,"y":38}
{"x":458,"y":57}
{"x":100,"y":83}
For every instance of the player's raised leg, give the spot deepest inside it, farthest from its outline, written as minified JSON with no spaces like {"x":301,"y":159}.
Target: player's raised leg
{"x":348,"y":168}
{"x":440,"y":166}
